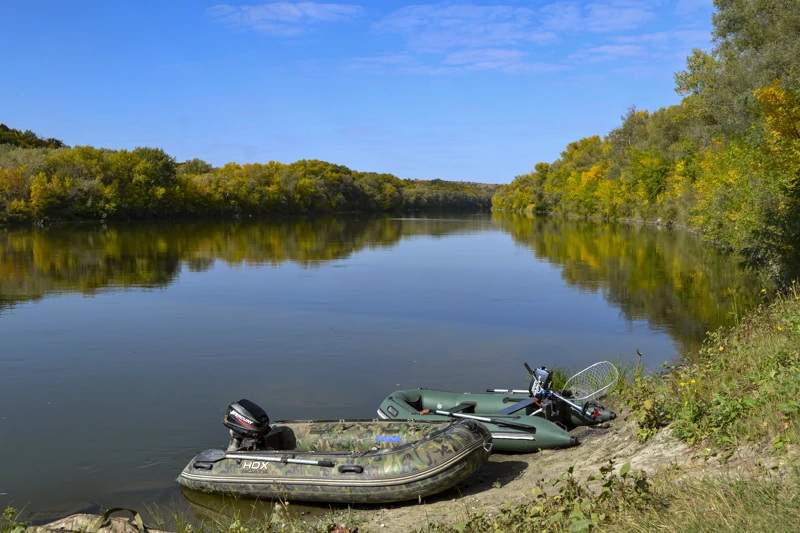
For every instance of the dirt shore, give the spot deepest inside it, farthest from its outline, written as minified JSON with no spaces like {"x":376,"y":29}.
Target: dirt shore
{"x":518,"y":474}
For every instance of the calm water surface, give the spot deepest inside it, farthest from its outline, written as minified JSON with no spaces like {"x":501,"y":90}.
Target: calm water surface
{"x":121,"y":346}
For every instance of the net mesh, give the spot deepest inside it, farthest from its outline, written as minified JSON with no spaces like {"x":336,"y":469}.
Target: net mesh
{"x":592,"y":383}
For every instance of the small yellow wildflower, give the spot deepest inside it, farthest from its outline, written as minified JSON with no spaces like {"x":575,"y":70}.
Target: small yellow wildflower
{"x":721,"y":348}
{"x":763,"y":290}
{"x":693,"y":381}
{"x":682,"y":384}
{"x":686,"y":403}
{"x":780,"y":328}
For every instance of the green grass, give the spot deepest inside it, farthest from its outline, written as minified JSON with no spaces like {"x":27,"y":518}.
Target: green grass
{"x":577,"y":506}
{"x":633,"y":503}
{"x":240,"y":519}
{"x":718,"y":505}
{"x":741,"y":387}
{"x":231,"y":520}
{"x":11,"y":521}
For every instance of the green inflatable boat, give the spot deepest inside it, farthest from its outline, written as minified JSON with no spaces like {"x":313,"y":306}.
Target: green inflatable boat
{"x":520,"y":420}
{"x":575,"y":405}
{"x":345,"y":461}
{"x":512,"y":425}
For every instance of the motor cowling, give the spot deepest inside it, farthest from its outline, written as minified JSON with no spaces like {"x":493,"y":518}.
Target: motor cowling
{"x":246,"y":420}
{"x":541,"y":380}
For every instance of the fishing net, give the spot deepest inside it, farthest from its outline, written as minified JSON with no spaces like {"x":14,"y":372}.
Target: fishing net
{"x":592,"y":383}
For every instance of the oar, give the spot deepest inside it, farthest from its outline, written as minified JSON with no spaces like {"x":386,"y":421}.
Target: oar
{"x":274,"y":459}
{"x":581,"y":410}
{"x":495,"y":421}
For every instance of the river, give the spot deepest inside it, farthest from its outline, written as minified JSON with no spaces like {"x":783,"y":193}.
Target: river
{"x":122,"y":345}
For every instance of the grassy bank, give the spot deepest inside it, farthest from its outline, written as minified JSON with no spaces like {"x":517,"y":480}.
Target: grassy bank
{"x":632,"y":503}
{"x":740,"y":389}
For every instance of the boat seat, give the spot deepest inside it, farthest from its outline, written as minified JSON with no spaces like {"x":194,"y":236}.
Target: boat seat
{"x":280,"y":438}
{"x":463,"y":407}
{"x":514,"y":407}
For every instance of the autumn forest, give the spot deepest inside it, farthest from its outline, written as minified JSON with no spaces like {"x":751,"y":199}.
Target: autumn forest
{"x":724,"y":162}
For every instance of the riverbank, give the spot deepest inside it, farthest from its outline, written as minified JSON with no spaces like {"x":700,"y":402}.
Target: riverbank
{"x":709,"y":445}
{"x":688,"y":489}
{"x":717,"y":437}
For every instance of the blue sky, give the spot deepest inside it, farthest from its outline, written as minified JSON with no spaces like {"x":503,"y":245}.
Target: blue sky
{"x":461,"y":91}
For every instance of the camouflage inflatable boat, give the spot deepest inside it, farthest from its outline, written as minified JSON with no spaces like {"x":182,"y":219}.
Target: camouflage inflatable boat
{"x":345,"y":461}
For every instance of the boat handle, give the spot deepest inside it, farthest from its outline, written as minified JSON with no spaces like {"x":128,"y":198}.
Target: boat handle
{"x":203,"y":466}
{"x":140,"y":527}
{"x":354,"y":469}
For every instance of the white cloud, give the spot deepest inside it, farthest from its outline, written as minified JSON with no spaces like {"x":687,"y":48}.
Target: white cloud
{"x":535,"y":67}
{"x":668,"y":38}
{"x":661,"y":46}
{"x":508,"y":38}
{"x":596,"y":17}
{"x":669,"y":44}
{"x":486,"y":56}
{"x":282,"y":18}
{"x":616,"y":16}
{"x":609,"y":52}
{"x":505,"y":60}
{"x":439,"y":28}
{"x":561,"y":16}
{"x":389,"y":59}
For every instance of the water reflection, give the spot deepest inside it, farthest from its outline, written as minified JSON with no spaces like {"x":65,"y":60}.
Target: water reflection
{"x":669,"y":278}
{"x":36,"y":262}
{"x":220,"y":511}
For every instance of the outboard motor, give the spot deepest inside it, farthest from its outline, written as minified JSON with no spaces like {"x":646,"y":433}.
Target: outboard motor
{"x":541,"y":380}
{"x":248,"y":424}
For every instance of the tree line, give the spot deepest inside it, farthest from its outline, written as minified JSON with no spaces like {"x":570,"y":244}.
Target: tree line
{"x":725,"y":161}
{"x":44,"y":179}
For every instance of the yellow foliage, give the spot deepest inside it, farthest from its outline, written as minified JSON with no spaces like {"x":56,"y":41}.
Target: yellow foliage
{"x":610,"y":196}
{"x":17,"y":206}
{"x":12,"y":184}
{"x":678,"y":183}
{"x":782,"y":117}
{"x":41,"y":194}
{"x":781,"y":111}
